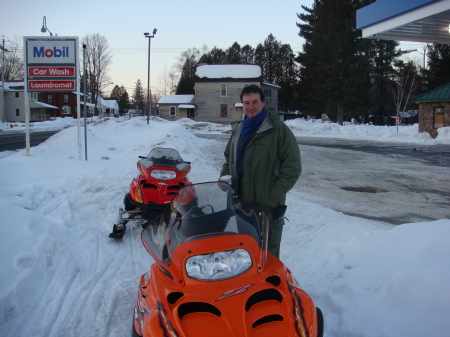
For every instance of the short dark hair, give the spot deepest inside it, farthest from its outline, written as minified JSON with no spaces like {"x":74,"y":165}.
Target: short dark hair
{"x":253,"y":89}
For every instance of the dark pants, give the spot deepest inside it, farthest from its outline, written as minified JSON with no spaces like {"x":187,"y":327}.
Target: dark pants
{"x":275,"y":232}
{"x":275,"y":229}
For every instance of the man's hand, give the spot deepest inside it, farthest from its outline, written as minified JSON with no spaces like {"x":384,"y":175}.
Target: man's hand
{"x":224,"y":182}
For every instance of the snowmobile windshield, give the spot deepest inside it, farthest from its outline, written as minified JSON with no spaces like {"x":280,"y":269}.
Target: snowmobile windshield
{"x":161,"y":156}
{"x":201,"y":211}
{"x":162,"y":153}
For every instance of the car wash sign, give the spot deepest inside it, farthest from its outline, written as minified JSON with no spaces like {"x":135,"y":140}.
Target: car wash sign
{"x":51,"y":63}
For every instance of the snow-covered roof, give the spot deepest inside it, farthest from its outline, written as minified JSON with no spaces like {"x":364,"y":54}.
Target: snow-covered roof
{"x":108,"y":103}
{"x":228,"y":71}
{"x":13,"y":85}
{"x":111,"y":103}
{"x":186,"y":106}
{"x":41,"y":104}
{"x":176,"y":99}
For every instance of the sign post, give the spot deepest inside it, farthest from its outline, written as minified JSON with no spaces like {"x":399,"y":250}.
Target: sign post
{"x":51,"y":65}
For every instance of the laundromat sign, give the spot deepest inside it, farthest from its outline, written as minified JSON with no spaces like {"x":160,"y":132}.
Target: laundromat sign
{"x":51,"y":63}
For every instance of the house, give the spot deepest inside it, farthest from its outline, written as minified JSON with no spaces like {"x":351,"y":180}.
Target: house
{"x":48,"y":105}
{"x":12,"y":105}
{"x":173,"y":107}
{"x":434,"y":109}
{"x":218,"y":88}
{"x":108,"y":107}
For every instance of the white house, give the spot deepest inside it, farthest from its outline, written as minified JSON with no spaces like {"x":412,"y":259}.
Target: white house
{"x":108,"y":107}
{"x":173,"y":107}
{"x":12,"y":104}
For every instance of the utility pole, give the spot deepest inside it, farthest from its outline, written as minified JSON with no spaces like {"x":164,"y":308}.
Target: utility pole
{"x":149,"y":102}
{"x":3,"y":116}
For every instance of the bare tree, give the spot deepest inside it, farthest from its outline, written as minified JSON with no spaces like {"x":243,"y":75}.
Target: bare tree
{"x":403,"y":84}
{"x":98,"y":59}
{"x":13,"y":61}
{"x":167,"y":81}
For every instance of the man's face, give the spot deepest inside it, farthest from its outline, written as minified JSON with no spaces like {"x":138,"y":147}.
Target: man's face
{"x":252,"y":104}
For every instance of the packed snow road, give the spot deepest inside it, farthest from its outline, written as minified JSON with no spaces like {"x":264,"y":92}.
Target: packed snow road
{"x":393,"y":183}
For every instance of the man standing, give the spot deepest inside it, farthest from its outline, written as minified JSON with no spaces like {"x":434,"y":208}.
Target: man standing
{"x":263,"y":159}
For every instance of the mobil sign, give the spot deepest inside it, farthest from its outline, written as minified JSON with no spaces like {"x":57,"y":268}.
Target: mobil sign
{"x":51,"y":63}
{"x":51,"y":51}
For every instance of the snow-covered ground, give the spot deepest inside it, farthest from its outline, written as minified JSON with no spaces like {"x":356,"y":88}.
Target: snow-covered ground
{"x":60,"y":274}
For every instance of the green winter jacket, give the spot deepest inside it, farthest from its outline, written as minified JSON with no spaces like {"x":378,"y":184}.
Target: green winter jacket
{"x":272,"y":163}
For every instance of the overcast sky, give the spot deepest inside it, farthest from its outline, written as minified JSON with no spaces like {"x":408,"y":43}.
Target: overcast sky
{"x":181,"y":25}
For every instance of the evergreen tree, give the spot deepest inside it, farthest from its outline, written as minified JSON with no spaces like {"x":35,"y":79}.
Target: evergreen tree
{"x":247,"y":54}
{"x":233,"y":54}
{"x":190,"y":60}
{"x":121,"y":95}
{"x":438,"y":72}
{"x":215,"y":56}
{"x":186,"y":83}
{"x":335,"y":70}
{"x":278,"y":66}
{"x":138,"y":96}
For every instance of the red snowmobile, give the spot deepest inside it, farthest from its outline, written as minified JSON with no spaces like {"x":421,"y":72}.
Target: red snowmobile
{"x":161,"y":174}
{"x":213,"y":275}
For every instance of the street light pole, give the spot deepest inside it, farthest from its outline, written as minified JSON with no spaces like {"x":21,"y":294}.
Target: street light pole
{"x":149,"y":97}
{"x":45,"y":28}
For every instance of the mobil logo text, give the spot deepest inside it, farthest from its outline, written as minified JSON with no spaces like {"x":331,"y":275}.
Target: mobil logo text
{"x":51,"y":52}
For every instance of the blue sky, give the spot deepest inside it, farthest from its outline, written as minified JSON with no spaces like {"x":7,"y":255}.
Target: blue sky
{"x":181,"y":25}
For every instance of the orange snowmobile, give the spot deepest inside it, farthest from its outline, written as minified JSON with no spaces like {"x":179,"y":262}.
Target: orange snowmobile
{"x":213,"y":275}
{"x":161,"y":174}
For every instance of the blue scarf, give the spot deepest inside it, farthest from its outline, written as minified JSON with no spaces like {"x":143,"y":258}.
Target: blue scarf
{"x":250,"y":126}
{"x":253,"y":124}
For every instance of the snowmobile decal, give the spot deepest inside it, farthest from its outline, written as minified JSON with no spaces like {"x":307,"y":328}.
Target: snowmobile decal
{"x":298,"y":312}
{"x":164,"y":321}
{"x":234,"y":292}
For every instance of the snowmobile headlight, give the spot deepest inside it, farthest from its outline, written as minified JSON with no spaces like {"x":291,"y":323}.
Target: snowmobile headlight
{"x":219,"y":265}
{"x":163,"y":174}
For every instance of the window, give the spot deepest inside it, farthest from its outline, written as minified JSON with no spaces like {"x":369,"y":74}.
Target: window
{"x":50,"y":98}
{"x":66,"y":110}
{"x":66,"y":98}
{"x":267,"y":93}
{"x":17,"y":112}
{"x":172,"y":111}
{"x":223,"y":89}
{"x":34,"y":95}
{"x":223,"y":111}
{"x":16,"y":95}
{"x":438,"y":118}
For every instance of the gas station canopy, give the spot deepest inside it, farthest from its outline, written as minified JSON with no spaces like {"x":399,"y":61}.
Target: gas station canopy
{"x":406,"y":20}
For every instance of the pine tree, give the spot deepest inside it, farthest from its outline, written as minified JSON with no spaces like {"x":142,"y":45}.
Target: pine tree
{"x":138,"y":96}
{"x":438,"y":65}
{"x":278,"y":66}
{"x":214,"y":56}
{"x":335,"y":71}
{"x":233,"y":54}
{"x":189,"y":61}
{"x":121,"y":95}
